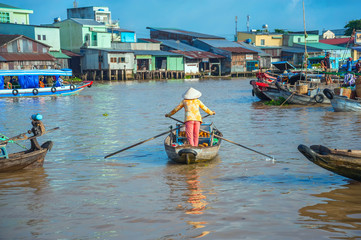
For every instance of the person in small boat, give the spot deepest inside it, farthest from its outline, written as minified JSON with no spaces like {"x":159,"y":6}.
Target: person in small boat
{"x":41,"y":82}
{"x":325,"y":64}
{"x":192,"y":117}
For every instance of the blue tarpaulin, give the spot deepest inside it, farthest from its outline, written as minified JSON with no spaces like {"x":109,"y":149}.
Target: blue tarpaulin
{"x":1,"y":82}
{"x":29,"y":81}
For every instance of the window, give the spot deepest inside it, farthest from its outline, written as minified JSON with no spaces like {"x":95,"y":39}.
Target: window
{"x":121,"y":60}
{"x":44,"y":37}
{"x":299,"y":39}
{"x":263,"y":42}
{"x":94,"y":37}
{"x":113,"y":60}
{"x":4,"y":17}
{"x":39,"y":37}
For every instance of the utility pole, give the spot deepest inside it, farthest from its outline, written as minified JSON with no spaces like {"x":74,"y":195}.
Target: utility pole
{"x":236,"y":36}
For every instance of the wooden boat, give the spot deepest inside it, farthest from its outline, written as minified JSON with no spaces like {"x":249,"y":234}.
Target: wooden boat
{"x":259,"y":89}
{"x":28,"y":85}
{"x":31,"y":158}
{"x":342,"y":103}
{"x":178,"y":151}
{"x":293,"y":97}
{"x":346,"y":163}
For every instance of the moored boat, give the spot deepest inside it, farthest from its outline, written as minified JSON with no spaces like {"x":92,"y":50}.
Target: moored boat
{"x":346,"y":163}
{"x":179,"y":151}
{"x":27,"y":83}
{"x":342,"y":103}
{"x":31,"y":158}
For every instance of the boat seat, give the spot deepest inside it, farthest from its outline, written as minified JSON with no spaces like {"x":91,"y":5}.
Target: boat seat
{"x":3,"y":152}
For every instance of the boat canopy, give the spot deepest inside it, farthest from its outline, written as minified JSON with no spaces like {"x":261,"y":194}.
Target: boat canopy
{"x":284,"y":65}
{"x":45,"y":72}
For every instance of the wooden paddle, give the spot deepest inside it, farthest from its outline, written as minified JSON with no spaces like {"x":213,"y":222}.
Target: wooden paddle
{"x":136,"y":144}
{"x":24,"y":137}
{"x":240,"y":145}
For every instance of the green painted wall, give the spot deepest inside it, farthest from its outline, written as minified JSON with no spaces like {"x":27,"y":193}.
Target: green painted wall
{"x":175,"y":63}
{"x":73,"y":36}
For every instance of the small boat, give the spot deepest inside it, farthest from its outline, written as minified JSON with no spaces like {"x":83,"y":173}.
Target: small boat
{"x":29,"y":85}
{"x":342,"y":103}
{"x":259,"y":89}
{"x":293,"y":97}
{"x":31,"y":158}
{"x":346,"y":163}
{"x":178,"y":151}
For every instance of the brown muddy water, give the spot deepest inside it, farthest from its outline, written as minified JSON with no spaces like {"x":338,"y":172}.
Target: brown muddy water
{"x":140,"y":194}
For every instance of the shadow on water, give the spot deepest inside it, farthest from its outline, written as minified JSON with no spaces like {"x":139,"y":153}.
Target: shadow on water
{"x":339,"y":212}
{"x":191,"y":192}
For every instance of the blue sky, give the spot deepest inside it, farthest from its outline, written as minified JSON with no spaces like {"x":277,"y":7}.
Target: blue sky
{"x":215,"y":17}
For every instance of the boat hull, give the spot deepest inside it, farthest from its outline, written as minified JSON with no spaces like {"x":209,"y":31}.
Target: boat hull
{"x":26,"y":159}
{"x":187,"y":154}
{"x":346,"y":163}
{"x":43,"y":92}
{"x":342,"y":104}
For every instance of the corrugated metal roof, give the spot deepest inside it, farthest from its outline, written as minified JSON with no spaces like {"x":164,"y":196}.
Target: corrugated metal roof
{"x":90,"y":22}
{"x":237,"y":50}
{"x":154,"y":53}
{"x":299,"y":50}
{"x":26,"y":57}
{"x":322,"y":46}
{"x":148,"y":40}
{"x":187,"y":33}
{"x":178,"y":45}
{"x":219,"y":43}
{"x":58,"y":55}
{"x":70,"y":53}
{"x":337,"y":41}
{"x":197,"y":54}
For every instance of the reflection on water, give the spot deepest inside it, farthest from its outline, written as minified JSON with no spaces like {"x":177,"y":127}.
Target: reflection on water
{"x":338,"y":212}
{"x":190,"y":186}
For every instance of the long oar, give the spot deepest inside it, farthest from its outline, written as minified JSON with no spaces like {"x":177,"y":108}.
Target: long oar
{"x":121,"y":150}
{"x":240,"y":145}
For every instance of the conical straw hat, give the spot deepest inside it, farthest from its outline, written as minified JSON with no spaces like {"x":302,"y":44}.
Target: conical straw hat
{"x":192,"y":93}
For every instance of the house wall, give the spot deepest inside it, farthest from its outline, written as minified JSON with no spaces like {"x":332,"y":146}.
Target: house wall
{"x":24,"y":45}
{"x":269,"y":40}
{"x":191,"y":67}
{"x":94,"y":59}
{"x":128,"y":37}
{"x":290,"y":40}
{"x":135,"y":46}
{"x":175,"y":63}
{"x":16,"y":15}
{"x":52,"y":35}
{"x":71,"y":37}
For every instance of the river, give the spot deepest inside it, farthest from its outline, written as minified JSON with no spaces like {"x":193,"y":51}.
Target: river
{"x":140,"y":194}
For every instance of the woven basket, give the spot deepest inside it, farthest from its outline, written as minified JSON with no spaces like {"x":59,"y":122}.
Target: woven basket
{"x":302,"y":89}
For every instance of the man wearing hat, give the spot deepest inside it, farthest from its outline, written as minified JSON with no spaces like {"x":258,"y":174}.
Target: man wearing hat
{"x":192,"y":117}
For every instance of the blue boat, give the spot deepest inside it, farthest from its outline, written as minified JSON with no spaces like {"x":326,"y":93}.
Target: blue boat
{"x":38,"y":83}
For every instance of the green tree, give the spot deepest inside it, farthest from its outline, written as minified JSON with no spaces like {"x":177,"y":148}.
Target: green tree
{"x":351,"y":25}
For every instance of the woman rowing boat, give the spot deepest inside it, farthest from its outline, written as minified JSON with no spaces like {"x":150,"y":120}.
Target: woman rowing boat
{"x":192,"y":117}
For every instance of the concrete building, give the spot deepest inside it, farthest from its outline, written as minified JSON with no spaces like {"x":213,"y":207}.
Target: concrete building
{"x":99,"y":14}
{"x":261,"y":39}
{"x":11,"y":14}
{"x":76,"y":33}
